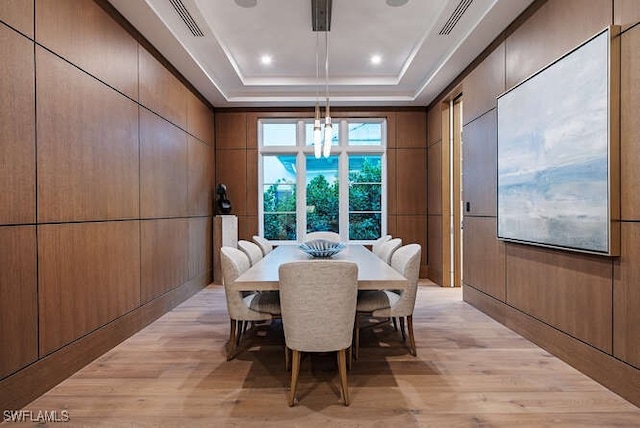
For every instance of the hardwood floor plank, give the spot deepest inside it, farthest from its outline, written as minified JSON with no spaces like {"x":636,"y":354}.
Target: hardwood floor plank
{"x":470,"y":371}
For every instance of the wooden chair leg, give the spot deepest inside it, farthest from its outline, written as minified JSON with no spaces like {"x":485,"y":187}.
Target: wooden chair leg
{"x":404,"y":337}
{"x":344,"y":381}
{"x":295,"y":370}
{"x":395,"y":323}
{"x":412,"y":341}
{"x":231,"y":345}
{"x":287,"y":358}
{"x":240,"y":331}
{"x":356,"y":340}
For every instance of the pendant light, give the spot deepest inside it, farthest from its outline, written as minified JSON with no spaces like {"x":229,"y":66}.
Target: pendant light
{"x":328,"y":128}
{"x":317,"y":131}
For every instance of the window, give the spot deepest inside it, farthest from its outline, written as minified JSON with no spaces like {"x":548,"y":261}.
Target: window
{"x":344,"y":193}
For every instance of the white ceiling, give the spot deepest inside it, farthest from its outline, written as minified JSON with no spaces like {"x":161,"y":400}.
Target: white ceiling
{"x":224,"y":65}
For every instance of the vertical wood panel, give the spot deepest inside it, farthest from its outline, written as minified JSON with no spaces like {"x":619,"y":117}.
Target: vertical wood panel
{"x":630,"y":126}
{"x":88,"y":275}
{"x":18,"y":14}
{"x":572,"y":292}
{"x":231,"y":130}
{"x":161,"y":91}
{"x":626,"y":297}
{"x":411,"y":182}
{"x":247,"y":226}
{"x":77,"y":29}
{"x":556,"y":28}
{"x":199,"y":119}
{"x":626,"y":13}
{"x":434,"y":179}
{"x":434,"y":125}
{"x":17,"y":129}
{"x":252,"y":183}
{"x":163,"y":167}
{"x":413,"y":230}
{"x":200,"y":246}
{"x":480,"y":165}
{"x":434,"y":248}
{"x":483,"y":85}
{"x":200,"y":178}
{"x":252,"y":130}
{"x":18,"y":304}
{"x":87,"y":146}
{"x":392,"y":224}
{"x":484,"y":257}
{"x":164,"y":256}
{"x":231,"y":169}
{"x":392,"y":182}
{"x":411,"y":129}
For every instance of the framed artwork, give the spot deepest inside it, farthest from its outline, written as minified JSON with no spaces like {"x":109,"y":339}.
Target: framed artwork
{"x":558,"y":152}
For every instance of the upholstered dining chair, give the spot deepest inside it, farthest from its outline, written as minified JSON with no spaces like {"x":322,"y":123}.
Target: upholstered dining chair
{"x":318,"y":299}
{"x":396,"y":303}
{"x":242,"y":308}
{"x":375,"y":248}
{"x":387,"y":249}
{"x":264,"y":244}
{"x":252,"y":251}
{"x":329,"y":236}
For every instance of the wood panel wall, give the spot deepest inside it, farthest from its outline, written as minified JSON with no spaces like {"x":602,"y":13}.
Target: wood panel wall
{"x":106,"y":213}
{"x":561,"y":300}
{"x":237,"y":167}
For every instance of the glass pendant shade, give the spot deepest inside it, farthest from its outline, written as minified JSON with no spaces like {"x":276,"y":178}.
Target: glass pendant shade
{"x":328,"y":136}
{"x":317,"y":138}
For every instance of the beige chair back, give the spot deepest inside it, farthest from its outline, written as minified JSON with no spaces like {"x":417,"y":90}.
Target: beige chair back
{"x":387,"y":249}
{"x":375,"y":248}
{"x":251,"y":250}
{"x":318,"y":302}
{"x":234,"y":263}
{"x":264,"y":245}
{"x":406,"y":260}
{"x":329,"y":236}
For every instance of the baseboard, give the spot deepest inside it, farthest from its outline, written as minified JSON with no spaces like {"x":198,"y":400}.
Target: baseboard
{"x":618,"y":376}
{"x":24,"y":386}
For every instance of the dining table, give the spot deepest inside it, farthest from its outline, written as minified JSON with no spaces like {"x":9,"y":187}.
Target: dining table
{"x":373,"y":272}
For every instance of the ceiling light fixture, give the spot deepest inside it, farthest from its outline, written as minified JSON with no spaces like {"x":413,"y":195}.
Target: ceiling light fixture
{"x":321,"y":21}
{"x":266,"y":59}
{"x":376,"y":59}
{"x":317,"y":131}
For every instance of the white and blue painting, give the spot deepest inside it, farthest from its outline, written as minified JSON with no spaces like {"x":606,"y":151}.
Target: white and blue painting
{"x":553,"y":153}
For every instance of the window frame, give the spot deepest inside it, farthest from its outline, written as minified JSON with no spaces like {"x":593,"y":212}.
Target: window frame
{"x":342,"y":150}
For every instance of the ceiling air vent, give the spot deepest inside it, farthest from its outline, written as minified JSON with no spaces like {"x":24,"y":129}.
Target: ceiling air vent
{"x":187,"y":18}
{"x":455,"y":17}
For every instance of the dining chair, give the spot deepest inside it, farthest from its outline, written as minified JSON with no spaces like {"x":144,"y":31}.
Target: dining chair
{"x":329,"y":236}
{"x":388,"y":248}
{"x":242,"y":308}
{"x":375,"y":248}
{"x":318,"y":300}
{"x":263,"y":243}
{"x":252,"y":251}
{"x":393,"y":303}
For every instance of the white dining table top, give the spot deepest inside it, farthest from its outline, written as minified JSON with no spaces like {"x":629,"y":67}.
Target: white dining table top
{"x":373,"y":272}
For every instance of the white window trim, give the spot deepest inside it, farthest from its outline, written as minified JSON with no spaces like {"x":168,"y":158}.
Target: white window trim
{"x":342,"y":150}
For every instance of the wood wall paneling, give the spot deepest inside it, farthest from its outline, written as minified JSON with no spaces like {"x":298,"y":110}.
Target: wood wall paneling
{"x":231,"y":169}
{"x":411,"y":129}
{"x":434,"y":248}
{"x":412,"y":229}
{"x":561,"y":288}
{"x":18,"y":14}
{"x":88,"y":275}
{"x":252,"y":182}
{"x":434,"y":179}
{"x":392,"y":123}
{"x":484,"y":257}
{"x":164,"y":256}
{"x":434,"y":124}
{"x":200,"y":178}
{"x":199,"y":119}
{"x":411,"y":183}
{"x":77,"y":29}
{"x":483,"y":85}
{"x":392,"y":182}
{"x":556,"y":28}
{"x":18,"y":299}
{"x":247,"y":226}
{"x":626,"y":297}
{"x":480,"y":165}
{"x":252,"y":130}
{"x":163,"y":167}
{"x":626,"y":13}
{"x":392,"y":225}
{"x":200,"y":246}
{"x":161,"y":91}
{"x":87,"y":146}
{"x":231,"y":130}
{"x":17,"y":127}
{"x":630,"y":126}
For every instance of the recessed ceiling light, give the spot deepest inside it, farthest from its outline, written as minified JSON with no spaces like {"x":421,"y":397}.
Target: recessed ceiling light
{"x":246,"y":3}
{"x":394,"y":3}
{"x":376,"y":59}
{"x":266,"y":59}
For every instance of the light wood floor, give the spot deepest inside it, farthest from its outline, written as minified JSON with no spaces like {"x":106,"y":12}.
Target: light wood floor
{"x":470,"y":371}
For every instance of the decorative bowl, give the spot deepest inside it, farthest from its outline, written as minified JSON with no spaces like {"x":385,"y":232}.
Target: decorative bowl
{"x":321,"y":247}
